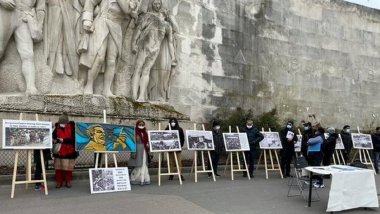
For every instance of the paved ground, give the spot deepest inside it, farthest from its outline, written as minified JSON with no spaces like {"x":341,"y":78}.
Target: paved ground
{"x":223,"y":196}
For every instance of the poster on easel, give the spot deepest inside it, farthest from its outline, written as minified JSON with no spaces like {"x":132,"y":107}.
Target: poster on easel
{"x":361,"y":141}
{"x":297,"y":146}
{"x":199,"y":140}
{"x":104,"y":137}
{"x":25,"y":134}
{"x":164,"y":141}
{"x":271,"y":141}
{"x":236,"y":142}
{"x":104,"y":180}
{"x":339,"y":143}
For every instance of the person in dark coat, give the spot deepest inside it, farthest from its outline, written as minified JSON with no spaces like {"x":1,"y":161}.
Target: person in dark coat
{"x":315,"y":153}
{"x":173,"y":122}
{"x":218,"y":148}
{"x":288,"y":139}
{"x":254,"y":137}
{"x":329,"y":146}
{"x":347,"y":142}
{"x":307,"y":134}
{"x":376,"y":148}
{"x":64,"y":161}
{"x":38,"y":172}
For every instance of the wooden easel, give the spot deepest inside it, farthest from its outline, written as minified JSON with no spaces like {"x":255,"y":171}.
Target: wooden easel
{"x":338,"y":156}
{"x":231,"y":160}
{"x":105,"y":152}
{"x":195,"y":161}
{"x":297,"y":153}
{"x":264,"y":151}
{"x":159,"y":174}
{"x":28,"y":167}
{"x":364,"y":156}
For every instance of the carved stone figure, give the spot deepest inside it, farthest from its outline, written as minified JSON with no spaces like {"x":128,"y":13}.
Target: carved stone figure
{"x":24,"y":20}
{"x":63,"y":33}
{"x":152,"y":28}
{"x":102,"y":48}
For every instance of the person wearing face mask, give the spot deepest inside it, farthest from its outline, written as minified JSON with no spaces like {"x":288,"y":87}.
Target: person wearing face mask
{"x":315,"y":153}
{"x":139,"y":160}
{"x":306,"y":135}
{"x":329,"y":147}
{"x":376,"y":149}
{"x":254,"y":137}
{"x":288,"y":139}
{"x":347,"y":142}
{"x":64,"y":161}
{"x":173,"y":122}
{"x":217,"y":137}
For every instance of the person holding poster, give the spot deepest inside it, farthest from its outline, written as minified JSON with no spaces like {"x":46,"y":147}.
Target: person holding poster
{"x":139,"y":159}
{"x":173,"y":122}
{"x":254,"y":137}
{"x":288,"y":139}
{"x":218,"y":144}
{"x":64,"y":160}
{"x":376,"y":149}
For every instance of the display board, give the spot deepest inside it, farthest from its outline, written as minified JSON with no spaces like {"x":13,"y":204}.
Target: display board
{"x":164,"y":141}
{"x":236,"y":142}
{"x":104,"y":180}
{"x":271,"y":141}
{"x":199,"y":140}
{"x":362,"y":141}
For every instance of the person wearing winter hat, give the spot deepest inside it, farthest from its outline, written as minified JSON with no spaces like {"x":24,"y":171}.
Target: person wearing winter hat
{"x":376,"y":148}
{"x":347,"y":142}
{"x":64,"y":160}
{"x":329,"y":146}
{"x":288,"y":139}
{"x":217,"y":137}
{"x":173,"y":123}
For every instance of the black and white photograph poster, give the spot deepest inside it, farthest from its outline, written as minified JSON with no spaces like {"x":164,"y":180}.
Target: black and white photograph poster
{"x":236,"y":142}
{"x":27,"y":134}
{"x":362,"y":141}
{"x":271,"y":141}
{"x":103,"y":180}
{"x":199,"y":140}
{"x":164,"y":141}
{"x":339,"y":143}
{"x":297,"y":146}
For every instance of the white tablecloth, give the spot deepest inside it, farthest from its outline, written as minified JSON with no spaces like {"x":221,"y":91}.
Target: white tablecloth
{"x":349,"y":189}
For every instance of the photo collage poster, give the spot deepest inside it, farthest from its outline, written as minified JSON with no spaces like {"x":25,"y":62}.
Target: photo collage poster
{"x":271,"y":141}
{"x":236,"y":142}
{"x":199,"y":140}
{"x":164,"y":141}
{"x":103,"y":180}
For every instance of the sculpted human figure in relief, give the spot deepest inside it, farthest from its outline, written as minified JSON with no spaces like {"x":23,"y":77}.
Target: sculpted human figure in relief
{"x":102,"y":48}
{"x":24,"y":20}
{"x":152,"y":29}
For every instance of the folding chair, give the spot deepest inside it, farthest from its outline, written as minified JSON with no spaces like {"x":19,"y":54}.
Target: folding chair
{"x":301,"y":182}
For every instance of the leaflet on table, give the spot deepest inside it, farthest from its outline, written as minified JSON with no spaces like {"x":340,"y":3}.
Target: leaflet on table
{"x":338,"y":168}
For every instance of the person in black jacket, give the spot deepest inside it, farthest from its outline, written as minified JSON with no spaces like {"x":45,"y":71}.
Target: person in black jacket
{"x":38,"y":172}
{"x":347,"y":142}
{"x":218,"y":144}
{"x":288,"y":139}
{"x":376,"y":148}
{"x":254,"y":137}
{"x":307,"y":134}
{"x":329,"y":146}
{"x":173,"y":122}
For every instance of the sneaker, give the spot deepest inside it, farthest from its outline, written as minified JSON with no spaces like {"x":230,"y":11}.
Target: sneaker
{"x":210,"y":176}
{"x":171,"y":177}
{"x":319,"y":185}
{"x":217,"y":175}
{"x":37,"y":187}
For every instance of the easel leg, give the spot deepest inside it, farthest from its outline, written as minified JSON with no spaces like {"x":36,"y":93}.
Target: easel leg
{"x":212,"y":167}
{"x":28,"y":167}
{"x":106,"y":160}
{"x":341,"y":155}
{"x":114,"y":159}
{"x":265,"y":163}
{"x":271,"y":159}
{"x":43,"y":171}
{"x":232,"y":166}
{"x":196,"y":166}
{"x":278,"y":163}
{"x":227,"y":161}
{"x":192,"y":166}
{"x":246,"y":167}
{"x":159,"y":169}
{"x":96,"y":160}
{"x":14,"y":174}
{"x":370,"y":161}
{"x":353,"y":158}
{"x":178,"y":170}
{"x":333,"y":156}
{"x":258,"y":163}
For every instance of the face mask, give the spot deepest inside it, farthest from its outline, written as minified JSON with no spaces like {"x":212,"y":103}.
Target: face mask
{"x":249,"y":126}
{"x":173,"y":124}
{"x":141,"y":127}
{"x":62,"y":125}
{"x":289,"y":126}
{"x":306,"y":128}
{"x":217,"y":127}
{"x":347,"y":130}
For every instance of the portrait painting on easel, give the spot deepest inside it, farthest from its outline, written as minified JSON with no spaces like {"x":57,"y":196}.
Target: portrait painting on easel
{"x":339,"y":143}
{"x":104,"y":137}
{"x":25,"y":134}
{"x":236,"y":142}
{"x":362,"y":141}
{"x":271,"y":141}
{"x":199,"y":140}
{"x":297,"y":146}
{"x":164,"y":141}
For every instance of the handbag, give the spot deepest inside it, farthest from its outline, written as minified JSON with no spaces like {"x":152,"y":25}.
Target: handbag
{"x":56,"y":148}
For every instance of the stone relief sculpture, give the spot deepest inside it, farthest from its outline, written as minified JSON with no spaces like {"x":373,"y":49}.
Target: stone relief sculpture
{"x":24,"y":20}
{"x":153,"y":28}
{"x":63,"y":33}
{"x":101,"y":49}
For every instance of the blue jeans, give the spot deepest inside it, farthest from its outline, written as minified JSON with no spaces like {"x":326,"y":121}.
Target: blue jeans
{"x":376,"y":160}
{"x":250,"y":156}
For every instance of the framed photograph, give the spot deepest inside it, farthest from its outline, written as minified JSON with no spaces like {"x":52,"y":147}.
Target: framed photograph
{"x":297,"y":146}
{"x":104,"y":137}
{"x":199,"y":140}
{"x":26,"y":134}
{"x":362,"y":141}
{"x":164,"y":141}
{"x":339,"y":143}
{"x":271,"y":141}
{"x":104,"y":180}
{"x":236,"y":142}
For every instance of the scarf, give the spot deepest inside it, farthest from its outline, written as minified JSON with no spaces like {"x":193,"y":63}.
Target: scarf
{"x":142,"y":133}
{"x":65,"y":133}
